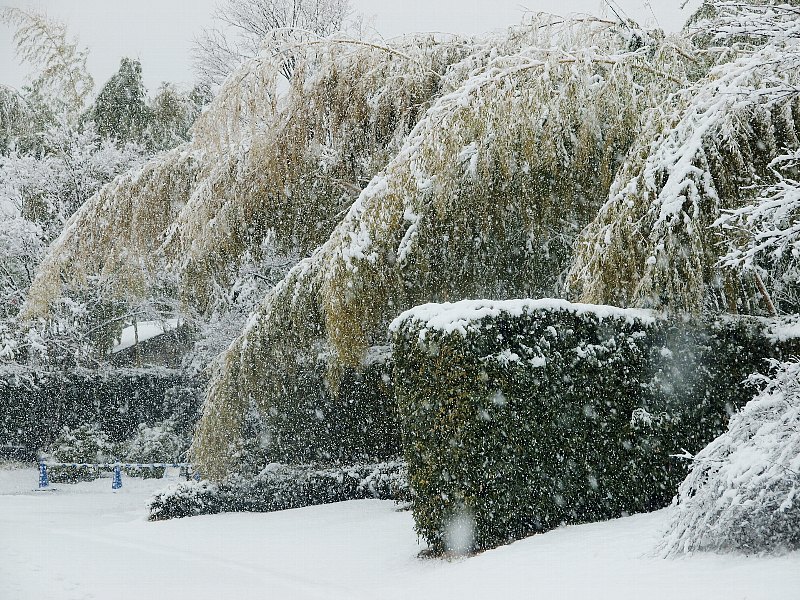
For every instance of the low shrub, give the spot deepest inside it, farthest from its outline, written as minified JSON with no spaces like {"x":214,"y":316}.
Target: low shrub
{"x":521,"y":416}
{"x":186,"y":499}
{"x":84,"y":444}
{"x":280,"y":487}
{"x":158,"y":443}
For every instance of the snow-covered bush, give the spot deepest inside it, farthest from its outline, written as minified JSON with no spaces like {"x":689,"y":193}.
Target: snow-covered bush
{"x":83,"y":444}
{"x":743,"y":491}
{"x":280,"y":487}
{"x":158,"y":443}
{"x":530,"y":414}
{"x":187,"y":499}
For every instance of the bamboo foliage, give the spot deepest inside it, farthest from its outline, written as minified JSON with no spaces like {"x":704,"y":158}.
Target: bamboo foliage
{"x":484,"y":198}
{"x":44,"y":43}
{"x":262,"y":162}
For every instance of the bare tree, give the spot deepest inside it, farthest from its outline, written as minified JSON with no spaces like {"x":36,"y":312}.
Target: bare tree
{"x":243,"y":25}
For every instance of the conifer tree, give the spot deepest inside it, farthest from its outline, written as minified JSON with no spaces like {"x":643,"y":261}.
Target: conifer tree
{"x":120,"y":111}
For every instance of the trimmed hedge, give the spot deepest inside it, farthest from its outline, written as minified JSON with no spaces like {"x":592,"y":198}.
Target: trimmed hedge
{"x":525,"y":415}
{"x":35,"y":405}
{"x":281,"y":487}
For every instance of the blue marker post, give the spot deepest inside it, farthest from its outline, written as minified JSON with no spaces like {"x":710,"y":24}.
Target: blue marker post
{"x":43,"y":481}
{"x":116,"y":482}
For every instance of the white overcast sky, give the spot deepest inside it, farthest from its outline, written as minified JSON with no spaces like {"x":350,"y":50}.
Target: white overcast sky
{"x":160,"y":32}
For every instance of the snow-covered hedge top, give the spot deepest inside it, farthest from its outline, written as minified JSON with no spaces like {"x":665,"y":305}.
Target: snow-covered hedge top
{"x":461,"y":316}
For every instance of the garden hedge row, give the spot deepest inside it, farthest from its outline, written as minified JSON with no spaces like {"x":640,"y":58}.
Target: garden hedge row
{"x":35,"y":405}
{"x":521,"y":416}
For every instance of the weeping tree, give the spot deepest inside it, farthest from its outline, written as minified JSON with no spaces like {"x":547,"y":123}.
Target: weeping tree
{"x":658,"y":240}
{"x":261,"y":184}
{"x":484,"y":198}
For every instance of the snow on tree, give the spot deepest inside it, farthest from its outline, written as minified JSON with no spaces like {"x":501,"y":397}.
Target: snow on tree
{"x":120,"y":110}
{"x":52,"y":160}
{"x":653,"y":243}
{"x":124,"y":219}
{"x":767,"y":233}
{"x":743,"y":492}
{"x":483,"y":198}
{"x":261,"y":167}
{"x":40,"y":192}
{"x":245,"y":26}
{"x":48,"y":188}
{"x":17,"y":120}
{"x":21,"y":247}
{"x":764,"y":234}
{"x":171,"y":114}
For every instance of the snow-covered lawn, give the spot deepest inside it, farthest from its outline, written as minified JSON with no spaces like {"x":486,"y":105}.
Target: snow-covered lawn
{"x":85,"y":541}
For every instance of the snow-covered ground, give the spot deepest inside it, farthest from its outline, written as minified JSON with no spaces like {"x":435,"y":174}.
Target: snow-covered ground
{"x":85,"y":541}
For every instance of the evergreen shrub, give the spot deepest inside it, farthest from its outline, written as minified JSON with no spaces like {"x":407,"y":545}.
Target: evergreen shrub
{"x":357,"y":422}
{"x":153,"y":444}
{"x":525,"y":415}
{"x":281,"y":487}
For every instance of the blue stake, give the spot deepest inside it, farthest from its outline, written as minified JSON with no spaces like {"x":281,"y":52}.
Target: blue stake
{"x":43,"y":481}
{"x":116,"y":482}
{"x":196,"y":476}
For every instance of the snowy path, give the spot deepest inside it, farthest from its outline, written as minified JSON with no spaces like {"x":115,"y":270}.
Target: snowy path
{"x":85,"y":542}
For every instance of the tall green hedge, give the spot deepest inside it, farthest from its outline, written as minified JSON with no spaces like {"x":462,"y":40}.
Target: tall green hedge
{"x":36,"y":404}
{"x":525,"y":415}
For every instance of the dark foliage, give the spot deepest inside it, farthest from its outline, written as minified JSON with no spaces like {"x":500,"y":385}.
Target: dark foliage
{"x":35,"y":405}
{"x":526,"y":423}
{"x":358,"y":423}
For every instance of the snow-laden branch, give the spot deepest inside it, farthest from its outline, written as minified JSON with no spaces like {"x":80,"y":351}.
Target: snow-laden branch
{"x":749,"y":23}
{"x":770,"y":226}
{"x":743,"y":492}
